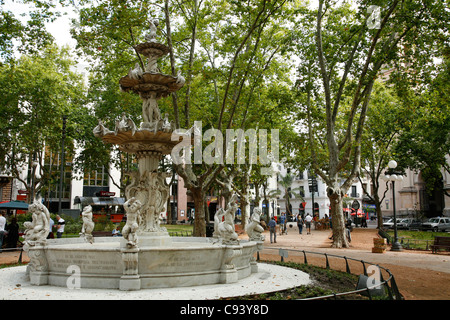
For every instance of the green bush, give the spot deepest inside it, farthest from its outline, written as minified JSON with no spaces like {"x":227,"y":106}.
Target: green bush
{"x":72,"y":225}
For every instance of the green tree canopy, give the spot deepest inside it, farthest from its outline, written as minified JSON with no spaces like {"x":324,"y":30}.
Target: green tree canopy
{"x":37,"y":90}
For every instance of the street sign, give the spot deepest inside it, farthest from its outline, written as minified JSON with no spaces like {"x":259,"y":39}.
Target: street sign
{"x":107,"y":194}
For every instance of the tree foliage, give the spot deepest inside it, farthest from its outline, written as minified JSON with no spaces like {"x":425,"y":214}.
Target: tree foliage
{"x":347,"y":53}
{"x":36,"y":92}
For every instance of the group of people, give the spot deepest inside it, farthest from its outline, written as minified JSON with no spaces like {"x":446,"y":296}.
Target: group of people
{"x":9,"y":232}
{"x":300,"y":223}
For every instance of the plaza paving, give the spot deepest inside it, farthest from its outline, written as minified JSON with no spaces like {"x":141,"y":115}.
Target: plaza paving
{"x":420,"y":275}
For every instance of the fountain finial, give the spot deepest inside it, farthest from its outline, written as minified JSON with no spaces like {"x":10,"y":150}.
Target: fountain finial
{"x":150,"y":37}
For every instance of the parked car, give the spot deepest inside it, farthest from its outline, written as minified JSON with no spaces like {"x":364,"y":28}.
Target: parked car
{"x":415,"y":225}
{"x":404,"y":223}
{"x":436,"y":224}
{"x":390,"y":223}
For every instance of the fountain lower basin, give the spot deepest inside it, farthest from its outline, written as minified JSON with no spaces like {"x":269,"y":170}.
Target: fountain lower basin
{"x":109,"y":264}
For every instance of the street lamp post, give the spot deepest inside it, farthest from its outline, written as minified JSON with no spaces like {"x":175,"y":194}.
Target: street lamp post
{"x":61,"y":160}
{"x":312,"y":181}
{"x":34,"y":165}
{"x":392,"y":175}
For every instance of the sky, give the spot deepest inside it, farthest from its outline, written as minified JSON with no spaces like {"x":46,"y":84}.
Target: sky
{"x":60,"y":28}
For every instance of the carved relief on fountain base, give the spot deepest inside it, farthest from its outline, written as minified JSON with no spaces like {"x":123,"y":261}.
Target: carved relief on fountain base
{"x":152,"y":190}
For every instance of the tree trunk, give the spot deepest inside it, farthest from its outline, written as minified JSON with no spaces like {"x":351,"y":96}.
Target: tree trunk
{"x":245,"y":208}
{"x":379,"y":213}
{"x":337,"y":218}
{"x":199,"y":221}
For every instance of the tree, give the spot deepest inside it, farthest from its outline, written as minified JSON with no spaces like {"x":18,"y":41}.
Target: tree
{"x":228,"y":52}
{"x":244,"y":38}
{"x":28,"y":37}
{"x":424,"y":144}
{"x":286,"y":182}
{"x":385,"y":116}
{"x":37,"y":91}
{"x":106,"y":33}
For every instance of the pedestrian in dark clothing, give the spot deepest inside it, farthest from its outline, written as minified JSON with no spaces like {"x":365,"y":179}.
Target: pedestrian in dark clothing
{"x":273,"y":230}
{"x":13,"y":234}
{"x":300,"y":224}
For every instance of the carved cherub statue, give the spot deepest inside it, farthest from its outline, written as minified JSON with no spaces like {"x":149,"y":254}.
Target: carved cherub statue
{"x":100,"y":130}
{"x":132,"y":207}
{"x":38,"y":229}
{"x":254,"y":228}
{"x":135,"y":73}
{"x":166,"y":125}
{"x":225,"y":229}
{"x":150,"y":37}
{"x":88,"y":224}
{"x":125,"y":124}
{"x":150,"y":110}
{"x":180,"y":80}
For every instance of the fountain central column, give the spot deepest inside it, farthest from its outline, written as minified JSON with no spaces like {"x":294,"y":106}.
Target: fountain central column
{"x":150,"y":142}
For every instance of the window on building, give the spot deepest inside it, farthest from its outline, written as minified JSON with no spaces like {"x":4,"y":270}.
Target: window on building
{"x":302,"y":191}
{"x":354,"y":193}
{"x":53,"y":168}
{"x":98,"y":177}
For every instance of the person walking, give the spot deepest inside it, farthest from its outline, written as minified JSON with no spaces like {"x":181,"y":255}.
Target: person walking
{"x":308,"y":220}
{"x":2,"y":229}
{"x":50,"y":234}
{"x":60,"y":226}
{"x":13,"y":234}
{"x":273,"y":229}
{"x":283,"y":223}
{"x":300,"y":223}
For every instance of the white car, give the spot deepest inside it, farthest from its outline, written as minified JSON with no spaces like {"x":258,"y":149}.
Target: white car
{"x":436,"y":224}
{"x":390,"y":224}
{"x":404,"y":223}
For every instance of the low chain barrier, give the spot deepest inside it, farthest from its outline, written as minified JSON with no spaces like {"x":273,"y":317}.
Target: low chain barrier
{"x":391,"y":286}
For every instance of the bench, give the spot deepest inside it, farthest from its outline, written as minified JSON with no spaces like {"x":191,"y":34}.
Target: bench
{"x":440,"y":243}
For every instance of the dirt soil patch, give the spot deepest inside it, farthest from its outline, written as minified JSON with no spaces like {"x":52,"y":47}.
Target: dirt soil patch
{"x":414,"y":283}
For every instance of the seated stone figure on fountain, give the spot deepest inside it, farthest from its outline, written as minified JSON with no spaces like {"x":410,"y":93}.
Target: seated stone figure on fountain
{"x":88,"y":224}
{"x":135,"y":73}
{"x":38,"y":229}
{"x":225,"y":229}
{"x":150,"y":109}
{"x":132,"y":208}
{"x":125,"y":124}
{"x":254,"y":228}
{"x":101,"y":130}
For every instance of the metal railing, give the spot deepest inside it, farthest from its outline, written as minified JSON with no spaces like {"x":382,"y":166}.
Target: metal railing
{"x":391,"y":286}
{"x":180,"y":233}
{"x":389,"y":283}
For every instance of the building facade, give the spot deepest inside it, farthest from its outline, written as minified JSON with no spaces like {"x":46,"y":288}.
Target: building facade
{"x":413,"y":199}
{"x":314,"y":198}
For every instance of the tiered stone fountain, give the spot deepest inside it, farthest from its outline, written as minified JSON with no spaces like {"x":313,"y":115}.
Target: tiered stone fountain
{"x":146,"y":256}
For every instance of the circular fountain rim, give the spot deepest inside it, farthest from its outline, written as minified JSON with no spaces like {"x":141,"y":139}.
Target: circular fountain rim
{"x":269,"y":278}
